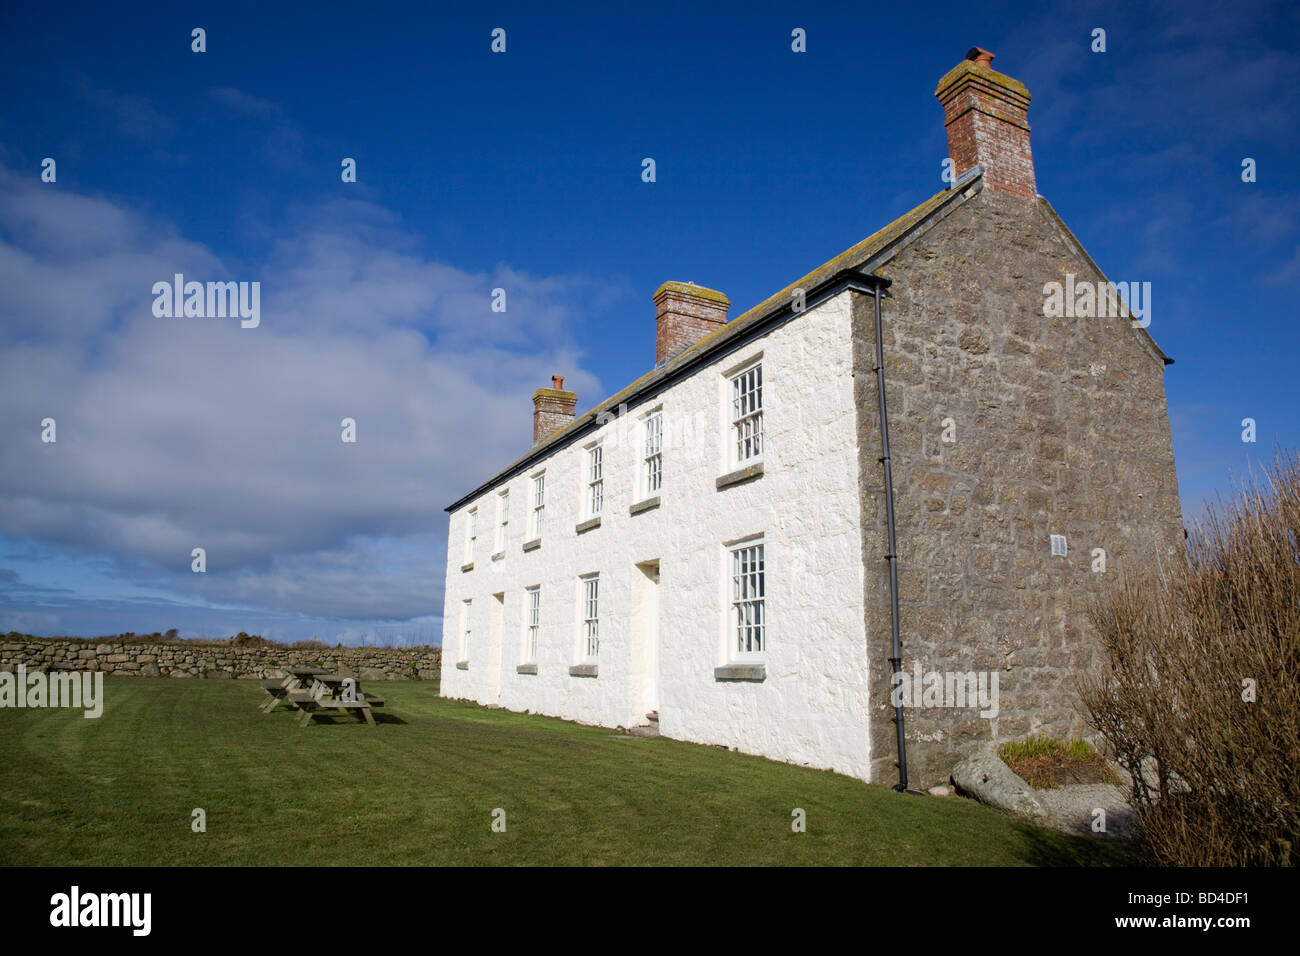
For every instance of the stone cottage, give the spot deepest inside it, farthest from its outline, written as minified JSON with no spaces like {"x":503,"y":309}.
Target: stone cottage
{"x":733,"y":548}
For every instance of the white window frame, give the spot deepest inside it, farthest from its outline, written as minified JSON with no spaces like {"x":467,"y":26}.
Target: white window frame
{"x":594,"y":487}
{"x":652,"y":443}
{"x":466,"y":633}
{"x":589,"y":618}
{"x":537,"y":515}
{"x":532,"y":622}
{"x":503,"y":521}
{"x":747,"y":619}
{"x":745,"y":413}
{"x":471,"y":533}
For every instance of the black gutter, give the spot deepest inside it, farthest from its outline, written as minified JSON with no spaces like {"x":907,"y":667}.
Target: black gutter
{"x":824,"y":290}
{"x":877,"y":290}
{"x":896,"y":648}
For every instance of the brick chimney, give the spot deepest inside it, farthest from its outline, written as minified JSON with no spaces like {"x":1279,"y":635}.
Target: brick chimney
{"x":552,"y":408}
{"x":685,"y":313}
{"x":984,"y":112}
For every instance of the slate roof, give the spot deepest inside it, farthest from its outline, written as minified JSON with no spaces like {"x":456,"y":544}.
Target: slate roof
{"x":875,"y":247}
{"x":854,"y":256}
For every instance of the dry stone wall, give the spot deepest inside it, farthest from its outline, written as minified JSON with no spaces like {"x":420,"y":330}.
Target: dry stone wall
{"x":215,"y":661}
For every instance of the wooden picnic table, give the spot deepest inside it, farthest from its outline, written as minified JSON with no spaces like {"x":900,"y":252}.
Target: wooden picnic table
{"x":315,"y":692}
{"x":328,"y":693}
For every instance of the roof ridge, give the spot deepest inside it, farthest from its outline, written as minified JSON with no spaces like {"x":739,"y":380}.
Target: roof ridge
{"x":859,"y":253}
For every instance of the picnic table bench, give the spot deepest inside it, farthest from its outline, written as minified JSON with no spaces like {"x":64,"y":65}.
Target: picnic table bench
{"x":316,"y":706}
{"x":279,"y":690}
{"x":327,"y":696}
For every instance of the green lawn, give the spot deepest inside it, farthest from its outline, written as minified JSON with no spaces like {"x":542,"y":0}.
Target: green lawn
{"x":421,"y":789}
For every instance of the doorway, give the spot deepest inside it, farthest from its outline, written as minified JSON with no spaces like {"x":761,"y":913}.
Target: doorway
{"x":496,"y":635}
{"x":645,"y":645}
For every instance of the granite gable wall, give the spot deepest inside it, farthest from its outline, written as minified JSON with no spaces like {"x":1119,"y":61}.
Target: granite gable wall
{"x":1060,"y":427}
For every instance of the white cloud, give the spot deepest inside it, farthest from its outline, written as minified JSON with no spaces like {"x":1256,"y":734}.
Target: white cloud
{"x":183,"y":433}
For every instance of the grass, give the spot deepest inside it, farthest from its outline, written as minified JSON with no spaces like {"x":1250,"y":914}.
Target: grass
{"x":421,"y":789}
{"x":1045,"y":763}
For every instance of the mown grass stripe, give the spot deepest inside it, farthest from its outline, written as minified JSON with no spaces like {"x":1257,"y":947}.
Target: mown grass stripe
{"x":420,"y":789}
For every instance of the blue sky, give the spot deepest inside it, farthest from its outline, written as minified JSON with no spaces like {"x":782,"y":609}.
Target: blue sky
{"x":522,"y":170}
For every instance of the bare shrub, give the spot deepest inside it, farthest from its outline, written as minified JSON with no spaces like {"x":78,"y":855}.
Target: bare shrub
{"x":1198,"y":695}
{"x":243,"y":639}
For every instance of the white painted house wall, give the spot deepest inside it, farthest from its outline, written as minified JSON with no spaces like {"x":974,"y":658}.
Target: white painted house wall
{"x":812,"y":708}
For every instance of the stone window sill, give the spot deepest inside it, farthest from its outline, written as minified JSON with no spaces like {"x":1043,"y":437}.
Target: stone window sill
{"x":467,"y":566}
{"x":584,"y":670}
{"x":646,"y":505}
{"x":526,"y":669}
{"x":744,"y":672}
{"x":533,"y":545}
{"x":498,"y":556}
{"x":462,"y":665}
{"x":740,"y":475}
{"x":587,"y":525}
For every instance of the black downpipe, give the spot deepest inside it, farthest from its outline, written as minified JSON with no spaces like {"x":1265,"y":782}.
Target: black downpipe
{"x":892,"y":557}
